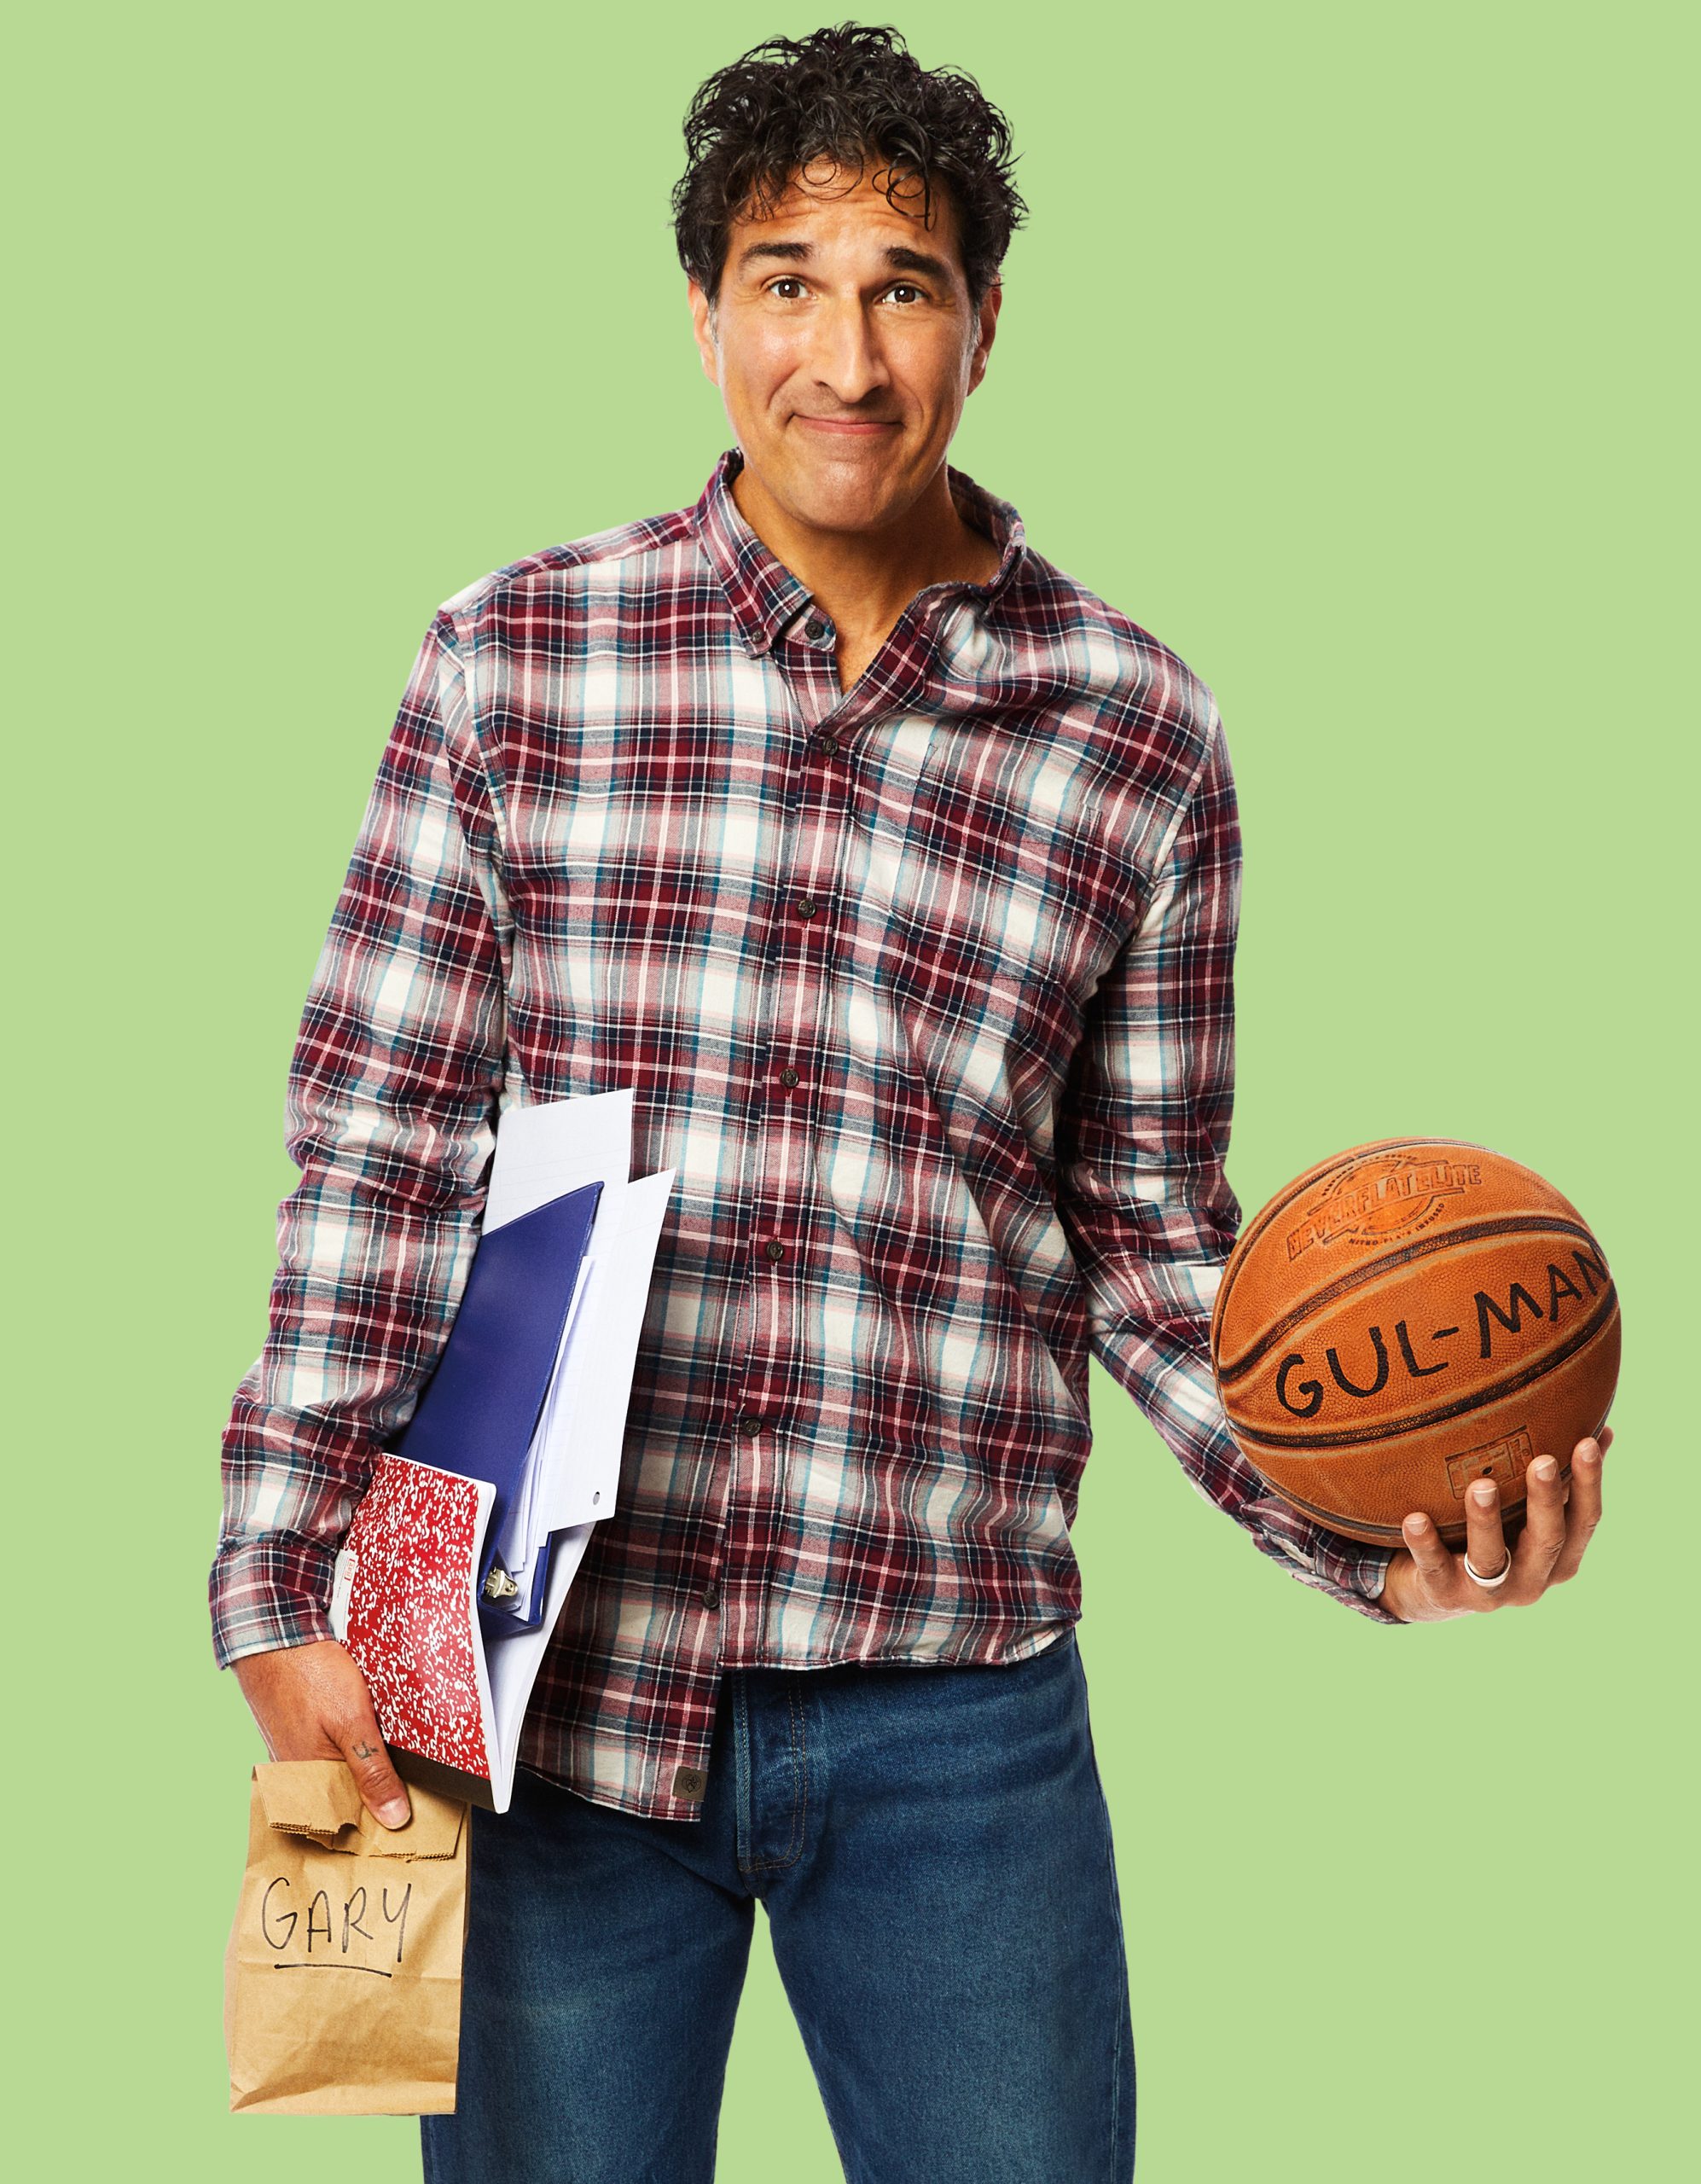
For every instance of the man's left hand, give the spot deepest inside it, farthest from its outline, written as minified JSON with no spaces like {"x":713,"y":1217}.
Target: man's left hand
{"x":1426,"y":1584}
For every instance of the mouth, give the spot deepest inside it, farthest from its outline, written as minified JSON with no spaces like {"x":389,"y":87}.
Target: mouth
{"x":849,"y":427}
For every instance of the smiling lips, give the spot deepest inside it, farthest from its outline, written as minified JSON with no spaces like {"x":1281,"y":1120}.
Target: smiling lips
{"x":853,"y":427}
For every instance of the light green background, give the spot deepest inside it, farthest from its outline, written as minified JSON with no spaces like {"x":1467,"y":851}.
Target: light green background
{"x":1343,"y":349}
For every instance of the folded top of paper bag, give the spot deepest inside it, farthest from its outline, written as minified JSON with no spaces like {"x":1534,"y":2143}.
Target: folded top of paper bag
{"x":319,"y":1798}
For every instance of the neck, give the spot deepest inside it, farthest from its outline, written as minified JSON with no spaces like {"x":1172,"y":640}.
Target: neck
{"x":864,"y":579}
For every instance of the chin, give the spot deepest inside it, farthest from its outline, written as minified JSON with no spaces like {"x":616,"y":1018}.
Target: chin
{"x":844,"y":504}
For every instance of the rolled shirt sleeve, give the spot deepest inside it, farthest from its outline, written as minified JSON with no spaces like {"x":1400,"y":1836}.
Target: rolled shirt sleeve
{"x":389,"y":1116}
{"x":1143,"y":1193}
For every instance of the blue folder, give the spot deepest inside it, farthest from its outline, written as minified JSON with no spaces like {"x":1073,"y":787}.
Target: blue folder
{"x":480,"y":1408}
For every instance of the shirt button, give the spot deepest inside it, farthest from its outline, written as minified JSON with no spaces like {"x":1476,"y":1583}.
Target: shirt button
{"x":814,"y":629}
{"x":710,"y":1595}
{"x":827,"y":741}
{"x":750,"y":1422}
{"x":788,"y":1076}
{"x":773,"y":1249}
{"x":805,"y":906}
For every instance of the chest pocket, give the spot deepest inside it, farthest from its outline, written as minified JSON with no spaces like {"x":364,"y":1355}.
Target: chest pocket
{"x":883,"y":867}
{"x":973,"y":858}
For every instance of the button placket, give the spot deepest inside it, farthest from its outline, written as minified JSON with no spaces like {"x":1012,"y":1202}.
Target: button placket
{"x":799,"y":925}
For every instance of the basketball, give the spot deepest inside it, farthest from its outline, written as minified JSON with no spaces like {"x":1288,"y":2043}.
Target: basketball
{"x":1406,"y":1317}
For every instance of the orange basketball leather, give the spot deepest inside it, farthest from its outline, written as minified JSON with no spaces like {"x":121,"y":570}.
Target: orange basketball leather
{"x":1408,"y":1316}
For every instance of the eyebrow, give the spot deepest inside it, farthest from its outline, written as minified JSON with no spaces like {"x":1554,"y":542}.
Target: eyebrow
{"x":898,"y":257}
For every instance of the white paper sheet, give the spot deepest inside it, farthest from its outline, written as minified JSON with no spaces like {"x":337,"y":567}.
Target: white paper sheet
{"x":588,"y":1405}
{"x":542,"y":1151}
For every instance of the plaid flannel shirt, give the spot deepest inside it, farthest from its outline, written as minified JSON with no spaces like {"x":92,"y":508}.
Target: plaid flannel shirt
{"x":925,"y":991}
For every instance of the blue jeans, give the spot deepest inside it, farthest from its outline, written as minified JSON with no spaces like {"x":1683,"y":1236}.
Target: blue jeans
{"x":933,"y":1849}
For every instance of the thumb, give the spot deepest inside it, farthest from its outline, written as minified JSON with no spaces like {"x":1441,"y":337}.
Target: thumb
{"x":379,"y":1784}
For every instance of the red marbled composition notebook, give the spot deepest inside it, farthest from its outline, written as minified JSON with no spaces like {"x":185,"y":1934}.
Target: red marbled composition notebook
{"x":405,"y":1605}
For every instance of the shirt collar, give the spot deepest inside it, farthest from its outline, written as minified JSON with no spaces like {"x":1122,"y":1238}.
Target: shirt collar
{"x":763,"y":594}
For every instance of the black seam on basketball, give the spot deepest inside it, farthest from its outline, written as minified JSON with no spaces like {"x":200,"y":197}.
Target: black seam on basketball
{"x":1283,"y":1202}
{"x":1584,"y":1333}
{"x":1507,"y":1225}
{"x":1390,"y":1535}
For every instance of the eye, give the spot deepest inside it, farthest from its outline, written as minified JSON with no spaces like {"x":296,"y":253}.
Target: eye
{"x":908,"y":286}
{"x":785,"y":280}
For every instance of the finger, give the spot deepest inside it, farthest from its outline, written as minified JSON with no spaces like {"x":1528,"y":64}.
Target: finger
{"x":1544,"y":1529}
{"x":1485,"y":1541}
{"x":1583,"y":1512}
{"x":379,"y":1784}
{"x":1437,"y":1570}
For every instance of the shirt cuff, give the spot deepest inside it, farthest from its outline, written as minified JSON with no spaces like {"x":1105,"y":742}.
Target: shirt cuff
{"x":1346,"y":1569}
{"x":268,"y":1592}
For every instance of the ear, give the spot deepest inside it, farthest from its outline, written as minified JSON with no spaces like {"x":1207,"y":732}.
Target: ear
{"x":987,"y":328}
{"x":703,"y":331}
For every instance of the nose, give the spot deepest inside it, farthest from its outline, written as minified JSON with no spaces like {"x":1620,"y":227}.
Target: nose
{"x":846,"y":355}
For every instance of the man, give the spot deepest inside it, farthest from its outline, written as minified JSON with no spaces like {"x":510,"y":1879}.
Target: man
{"x":899,"y":874}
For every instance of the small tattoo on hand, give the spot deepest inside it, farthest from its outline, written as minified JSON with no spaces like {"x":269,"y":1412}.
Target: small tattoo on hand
{"x":366,"y":1751}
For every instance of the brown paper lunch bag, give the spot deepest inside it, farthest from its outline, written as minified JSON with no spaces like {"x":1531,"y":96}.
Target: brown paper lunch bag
{"x":342,"y":1975}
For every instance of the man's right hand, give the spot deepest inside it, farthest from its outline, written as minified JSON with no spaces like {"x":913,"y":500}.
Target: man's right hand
{"x":311,"y":1703}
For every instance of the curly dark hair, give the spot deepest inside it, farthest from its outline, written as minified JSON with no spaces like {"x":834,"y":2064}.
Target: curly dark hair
{"x":849,"y":94}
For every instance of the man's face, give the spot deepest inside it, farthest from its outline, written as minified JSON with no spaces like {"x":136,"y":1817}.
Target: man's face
{"x":845,"y":346}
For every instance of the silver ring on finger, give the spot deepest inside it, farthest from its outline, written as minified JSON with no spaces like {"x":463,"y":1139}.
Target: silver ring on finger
{"x":1488,"y":1583}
